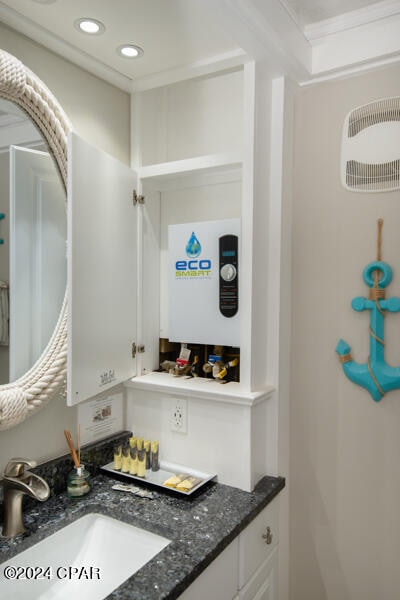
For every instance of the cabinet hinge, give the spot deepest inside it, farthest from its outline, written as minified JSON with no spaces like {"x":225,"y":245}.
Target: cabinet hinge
{"x":139,"y":349}
{"x":137,"y":198}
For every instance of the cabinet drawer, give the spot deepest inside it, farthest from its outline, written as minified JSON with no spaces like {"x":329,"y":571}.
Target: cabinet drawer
{"x":263,"y":584}
{"x":257,"y":541}
{"x":219,"y":580}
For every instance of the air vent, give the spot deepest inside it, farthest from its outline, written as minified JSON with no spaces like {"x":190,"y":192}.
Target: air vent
{"x":370,"y":159}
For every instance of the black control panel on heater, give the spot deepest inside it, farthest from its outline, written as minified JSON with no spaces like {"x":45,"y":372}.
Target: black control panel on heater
{"x":228,"y":275}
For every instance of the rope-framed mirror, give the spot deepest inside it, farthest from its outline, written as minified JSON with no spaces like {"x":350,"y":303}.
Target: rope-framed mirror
{"x":34,"y":389}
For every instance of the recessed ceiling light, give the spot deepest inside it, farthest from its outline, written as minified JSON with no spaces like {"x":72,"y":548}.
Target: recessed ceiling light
{"x":129,"y":51}
{"x":90,"y":26}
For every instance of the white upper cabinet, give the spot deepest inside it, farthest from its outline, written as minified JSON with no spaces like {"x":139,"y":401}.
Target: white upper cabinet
{"x":194,"y":145}
{"x":102,"y":271}
{"x":204,"y":149}
{"x":187,"y":144}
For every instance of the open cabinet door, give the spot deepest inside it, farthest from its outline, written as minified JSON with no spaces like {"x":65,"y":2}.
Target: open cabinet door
{"x":102,"y":271}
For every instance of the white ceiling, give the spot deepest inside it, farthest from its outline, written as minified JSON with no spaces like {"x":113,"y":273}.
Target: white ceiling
{"x":182,"y":34}
{"x":171,"y":32}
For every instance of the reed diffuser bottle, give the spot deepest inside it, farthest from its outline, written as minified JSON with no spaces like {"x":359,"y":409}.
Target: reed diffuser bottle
{"x":78,"y":482}
{"x":78,"y":479}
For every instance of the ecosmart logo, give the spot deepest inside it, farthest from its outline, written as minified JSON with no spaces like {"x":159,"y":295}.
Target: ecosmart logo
{"x":193,"y":267}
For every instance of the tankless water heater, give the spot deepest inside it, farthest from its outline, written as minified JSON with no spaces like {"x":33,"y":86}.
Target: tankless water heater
{"x":203,"y":282}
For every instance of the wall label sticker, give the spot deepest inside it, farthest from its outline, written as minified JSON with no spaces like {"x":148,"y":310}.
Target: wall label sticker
{"x":375,"y":375}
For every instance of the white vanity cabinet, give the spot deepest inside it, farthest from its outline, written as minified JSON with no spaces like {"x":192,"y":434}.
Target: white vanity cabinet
{"x":258,"y":556}
{"x":248,"y":568}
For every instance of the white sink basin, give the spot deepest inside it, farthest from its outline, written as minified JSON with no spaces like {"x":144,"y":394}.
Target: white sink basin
{"x":87,"y":559}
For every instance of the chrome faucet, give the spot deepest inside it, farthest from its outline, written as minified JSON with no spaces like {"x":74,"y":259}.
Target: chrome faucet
{"x":17,"y":482}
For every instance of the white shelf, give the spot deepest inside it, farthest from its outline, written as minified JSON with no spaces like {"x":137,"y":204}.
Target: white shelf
{"x":199,"y":387}
{"x":201,"y":170}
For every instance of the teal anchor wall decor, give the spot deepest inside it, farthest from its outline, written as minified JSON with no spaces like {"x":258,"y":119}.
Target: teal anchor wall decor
{"x":375,"y":375}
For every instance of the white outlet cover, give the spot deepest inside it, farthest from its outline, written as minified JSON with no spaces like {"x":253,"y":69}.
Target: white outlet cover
{"x":178,"y":415}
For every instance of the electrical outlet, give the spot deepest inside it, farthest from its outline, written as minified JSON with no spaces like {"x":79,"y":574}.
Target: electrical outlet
{"x":178,"y":415}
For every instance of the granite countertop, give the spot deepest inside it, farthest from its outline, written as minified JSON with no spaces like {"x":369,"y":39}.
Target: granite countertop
{"x":199,"y":528}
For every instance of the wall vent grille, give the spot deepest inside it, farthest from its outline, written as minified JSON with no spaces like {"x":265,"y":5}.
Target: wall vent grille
{"x":370,"y":114}
{"x":370,"y":177}
{"x":371,"y":147}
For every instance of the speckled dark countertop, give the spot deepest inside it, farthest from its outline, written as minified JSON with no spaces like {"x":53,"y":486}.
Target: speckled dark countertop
{"x":199,"y":528}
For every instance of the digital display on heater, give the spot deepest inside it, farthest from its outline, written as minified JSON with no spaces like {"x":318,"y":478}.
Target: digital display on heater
{"x":228,"y":253}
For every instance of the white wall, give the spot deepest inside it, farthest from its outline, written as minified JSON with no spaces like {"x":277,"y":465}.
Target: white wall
{"x":345,"y":448}
{"x":100,"y":113}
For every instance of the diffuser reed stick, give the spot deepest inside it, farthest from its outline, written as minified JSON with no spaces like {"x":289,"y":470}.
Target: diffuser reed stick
{"x":71,"y":447}
{"x":79,"y":443}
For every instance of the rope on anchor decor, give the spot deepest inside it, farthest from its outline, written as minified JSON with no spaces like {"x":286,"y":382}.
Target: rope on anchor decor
{"x":39,"y":385}
{"x":375,"y":375}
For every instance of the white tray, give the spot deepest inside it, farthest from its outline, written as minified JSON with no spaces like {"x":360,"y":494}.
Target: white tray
{"x":157,"y":478}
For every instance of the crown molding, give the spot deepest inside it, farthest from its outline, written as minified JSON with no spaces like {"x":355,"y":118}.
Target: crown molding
{"x":353,"y":71}
{"x":220,"y":62}
{"x":349,"y":20}
{"x":368,"y":43}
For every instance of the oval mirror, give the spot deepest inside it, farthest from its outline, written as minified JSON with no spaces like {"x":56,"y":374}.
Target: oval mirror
{"x":35,"y":384}
{"x":33,"y":233}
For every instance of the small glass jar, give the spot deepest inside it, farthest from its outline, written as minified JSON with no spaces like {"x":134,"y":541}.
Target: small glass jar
{"x":78,"y":482}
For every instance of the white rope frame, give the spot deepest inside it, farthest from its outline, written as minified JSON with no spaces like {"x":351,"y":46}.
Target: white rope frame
{"x":32,"y":391}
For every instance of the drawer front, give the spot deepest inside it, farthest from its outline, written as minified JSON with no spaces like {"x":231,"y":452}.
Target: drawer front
{"x":219,"y":580}
{"x":257,"y":541}
{"x":263,"y":584}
